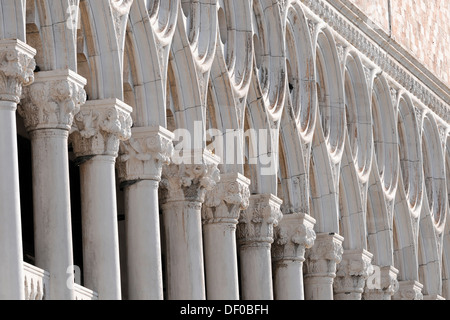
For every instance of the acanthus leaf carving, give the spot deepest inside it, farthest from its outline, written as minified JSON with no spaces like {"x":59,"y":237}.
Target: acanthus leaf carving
{"x":100,"y":126}
{"x":17,"y":66}
{"x":256,"y":223}
{"x":323,"y":257}
{"x":293,"y":235}
{"x":225,"y":202}
{"x":144,"y":154}
{"x":190,"y":180}
{"x":53,"y":100}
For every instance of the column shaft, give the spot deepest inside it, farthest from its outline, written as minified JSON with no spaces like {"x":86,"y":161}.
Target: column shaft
{"x":11,"y":262}
{"x":256,"y":272}
{"x":143,"y":241}
{"x":184,"y":251}
{"x":52,"y":215}
{"x":100,"y":227}
{"x":221,"y":261}
{"x":288,"y":280}
{"x":16,"y":70}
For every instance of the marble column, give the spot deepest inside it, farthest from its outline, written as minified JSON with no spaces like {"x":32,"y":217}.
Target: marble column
{"x":100,"y":126}
{"x":409,"y":290}
{"x":293,"y":235}
{"x":255,"y":238}
{"x":220,"y":214}
{"x":352,"y":273}
{"x":48,"y":110}
{"x":16,"y":70}
{"x":382,"y":284}
{"x":140,"y":165}
{"x":183,"y":188}
{"x":320,"y":266}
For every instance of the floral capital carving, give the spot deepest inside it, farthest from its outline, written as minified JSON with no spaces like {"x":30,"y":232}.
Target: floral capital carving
{"x":353,"y":272}
{"x":409,"y":290}
{"x":293,"y":235}
{"x":323,"y":257}
{"x":144,"y":154}
{"x":190,"y":180}
{"x":52,"y":101}
{"x":256,"y":223}
{"x":17,"y":66}
{"x":225,"y":202}
{"x":99,"y":128}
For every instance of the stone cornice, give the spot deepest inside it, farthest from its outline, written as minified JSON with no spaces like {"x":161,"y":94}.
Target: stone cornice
{"x":225,"y":202}
{"x":383,"y":53}
{"x":100,"y":126}
{"x":256,"y":223}
{"x":144,"y":154}
{"x":293,"y":235}
{"x":17,"y":66}
{"x":52,"y":100}
{"x":189,"y":180}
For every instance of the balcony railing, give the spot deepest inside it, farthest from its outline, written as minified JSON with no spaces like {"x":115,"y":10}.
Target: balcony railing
{"x":36,"y":282}
{"x":82,"y":293}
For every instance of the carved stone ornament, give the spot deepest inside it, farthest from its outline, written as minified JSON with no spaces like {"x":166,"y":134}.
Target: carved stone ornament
{"x":225,"y":202}
{"x":293,"y":235}
{"x":256,"y":223}
{"x":353,"y":271}
{"x":17,"y":66}
{"x":144,"y":154}
{"x":322,"y":258}
{"x":99,"y":128}
{"x":190,"y":180}
{"x":409,"y":290}
{"x":381,"y":286}
{"x":52,"y":101}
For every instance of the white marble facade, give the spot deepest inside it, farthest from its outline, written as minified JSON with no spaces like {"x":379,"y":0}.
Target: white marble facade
{"x":255,"y":150}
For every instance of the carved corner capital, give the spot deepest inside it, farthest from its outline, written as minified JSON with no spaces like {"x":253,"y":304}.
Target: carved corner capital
{"x":190,"y":179}
{"x":100,"y":126}
{"x":17,"y":66}
{"x":225,"y":202}
{"x":144,"y":154}
{"x":293,"y":235}
{"x":52,"y":101}
{"x":409,"y":290}
{"x":325,"y":254}
{"x":382,"y":283}
{"x":256,"y":223}
{"x":353,"y":271}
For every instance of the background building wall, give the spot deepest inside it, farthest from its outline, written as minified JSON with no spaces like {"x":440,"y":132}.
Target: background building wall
{"x":420,"y":26}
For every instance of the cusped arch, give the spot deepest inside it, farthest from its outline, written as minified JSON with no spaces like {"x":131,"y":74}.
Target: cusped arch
{"x":434,"y":210}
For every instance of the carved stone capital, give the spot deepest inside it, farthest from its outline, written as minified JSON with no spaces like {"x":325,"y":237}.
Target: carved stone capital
{"x":323,"y":257}
{"x":381,"y":284}
{"x":293,"y":235}
{"x":256,"y":223}
{"x":144,"y":154}
{"x":52,"y":101}
{"x":99,"y":128}
{"x":190,"y":180}
{"x":17,"y":66}
{"x":409,"y":290}
{"x":225,"y":202}
{"x":352,"y":272}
